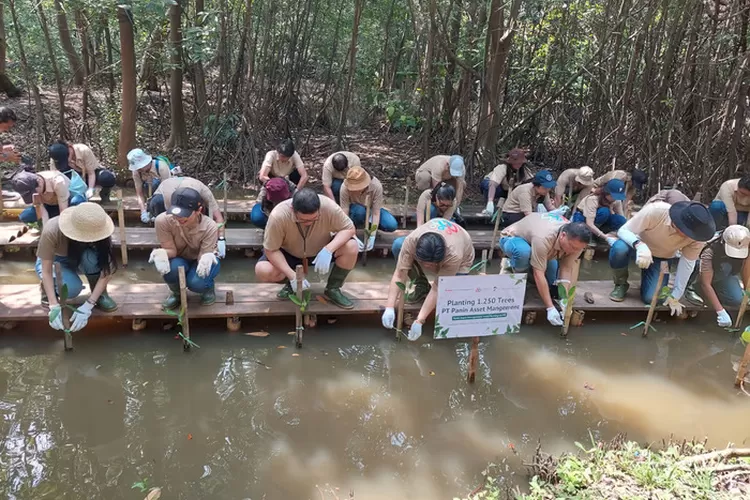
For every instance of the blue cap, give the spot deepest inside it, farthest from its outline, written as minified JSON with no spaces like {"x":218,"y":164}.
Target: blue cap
{"x":545,"y":179}
{"x":616,"y":189}
{"x":456,"y":163}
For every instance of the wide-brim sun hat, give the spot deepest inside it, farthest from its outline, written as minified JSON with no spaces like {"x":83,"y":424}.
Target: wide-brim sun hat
{"x":87,"y":223}
{"x":456,"y":166}
{"x":693,"y":219}
{"x":585,"y":176}
{"x":357,"y":179}
{"x":137,"y":159}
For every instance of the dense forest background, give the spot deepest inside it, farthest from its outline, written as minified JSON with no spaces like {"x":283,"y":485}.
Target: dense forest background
{"x":658,"y":84}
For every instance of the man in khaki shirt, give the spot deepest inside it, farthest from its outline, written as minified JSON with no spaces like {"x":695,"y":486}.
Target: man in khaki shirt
{"x":602,"y":210}
{"x":732,"y":203}
{"x":439,"y":246}
{"x":69,"y":158}
{"x":657,"y":233}
{"x":524,"y":199}
{"x":301,"y":228}
{"x":550,"y":245}
{"x":441,"y":168}
{"x":512,"y":171}
{"x":187,"y":239}
{"x":148,"y":172}
{"x":334,"y":172}
{"x":284,"y":162}
{"x":358,"y":186}
{"x":53,"y":189}
{"x":670,"y":196}
{"x":571,"y":183}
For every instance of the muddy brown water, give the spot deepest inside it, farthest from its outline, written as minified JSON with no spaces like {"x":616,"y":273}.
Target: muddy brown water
{"x":243,"y":418}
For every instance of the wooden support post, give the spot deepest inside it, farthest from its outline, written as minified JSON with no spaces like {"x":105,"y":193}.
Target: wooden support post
{"x":37,"y":201}
{"x":498,"y":216}
{"x":742,"y":368}
{"x":300,"y":328}
{"x":226,"y":214}
{"x":406,"y":207}
{"x":473,"y":360}
{"x":234,"y":323}
{"x":367,"y":229}
{"x":571,"y":298}
{"x":663,"y":270}
{"x":400,"y":314}
{"x":58,"y":285}
{"x":138,"y":324}
{"x":184,"y":309}
{"x":123,"y":234}
{"x":743,"y":305}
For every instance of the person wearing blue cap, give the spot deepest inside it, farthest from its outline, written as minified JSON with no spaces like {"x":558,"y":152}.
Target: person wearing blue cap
{"x":602,"y":210}
{"x":524,"y":199}
{"x":635,"y":181}
{"x":443,"y":168}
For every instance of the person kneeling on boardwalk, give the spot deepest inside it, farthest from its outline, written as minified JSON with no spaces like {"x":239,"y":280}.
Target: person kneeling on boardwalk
{"x":187,"y":239}
{"x":276,"y":190}
{"x":659,"y":232}
{"x":441,"y":202}
{"x":722,"y":262}
{"x":284,"y":162}
{"x":512,"y":171}
{"x":443,"y":168}
{"x":550,"y":245}
{"x":300,"y":228}
{"x":78,"y":158}
{"x":635,"y":180}
{"x":161,"y":202}
{"x":571,"y":183}
{"x":53,"y":189}
{"x":732,"y":203}
{"x":334,"y":172}
{"x":147,"y":171}
{"x":523,"y":200}
{"x":670,"y":196}
{"x":602,"y":210}
{"x":358,"y":186}
{"x":79,"y":239}
{"x":439,"y":246}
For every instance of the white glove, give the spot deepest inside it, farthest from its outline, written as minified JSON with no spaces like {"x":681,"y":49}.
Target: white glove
{"x":360,"y":245}
{"x":371,"y":242}
{"x":204,"y":264}
{"x":322,"y":261}
{"x":611,"y":241}
{"x":221,"y":245}
{"x":389,"y":316}
{"x":160,"y":259}
{"x":643,"y":258}
{"x":490,"y":208}
{"x":145,"y":217}
{"x":415,"y":331}
{"x":55,"y":317}
{"x":81,"y":317}
{"x":675,"y":307}
{"x":723,"y":318}
{"x":553,"y":316}
{"x":89,"y":193}
{"x":305,"y":285}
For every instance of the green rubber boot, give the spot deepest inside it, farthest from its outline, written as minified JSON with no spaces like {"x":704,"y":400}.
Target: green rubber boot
{"x":173,"y":300}
{"x":285,"y":292}
{"x":208,"y":297}
{"x":333,"y":288}
{"x":105,"y":302}
{"x":421,"y":287}
{"x":621,"y":285}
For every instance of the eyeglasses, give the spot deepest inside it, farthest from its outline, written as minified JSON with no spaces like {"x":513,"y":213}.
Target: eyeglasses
{"x":310,"y":218}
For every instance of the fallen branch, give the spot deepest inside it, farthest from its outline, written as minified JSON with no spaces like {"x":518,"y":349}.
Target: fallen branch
{"x":716,"y":455}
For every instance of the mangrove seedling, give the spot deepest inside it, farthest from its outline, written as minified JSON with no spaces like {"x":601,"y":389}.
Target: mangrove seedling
{"x":180,"y":318}
{"x":63,"y":300}
{"x":304,"y":302}
{"x":405,"y":289}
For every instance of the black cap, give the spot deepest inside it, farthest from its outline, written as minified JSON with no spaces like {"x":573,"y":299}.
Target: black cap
{"x":59,"y":154}
{"x":184,"y":202}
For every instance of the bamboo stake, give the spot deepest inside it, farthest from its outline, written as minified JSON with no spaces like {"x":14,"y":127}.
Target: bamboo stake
{"x":184,"y":309}
{"x":400,"y":314}
{"x":663,"y":270}
{"x":36,"y":199}
{"x":474,"y":353}
{"x":571,"y":298}
{"x":58,"y":284}
{"x":226,"y":214}
{"x":498,"y":216}
{"x":742,"y":368}
{"x":406,"y":207}
{"x":743,"y":305}
{"x":298,"y":331}
{"x":123,"y":234}
{"x":367,"y":229}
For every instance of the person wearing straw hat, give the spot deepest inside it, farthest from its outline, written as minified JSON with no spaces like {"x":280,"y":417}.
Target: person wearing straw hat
{"x":723,"y":264}
{"x":443,"y":168}
{"x":69,"y":158}
{"x":187,"y":239}
{"x":439,"y":246}
{"x":571,"y":183}
{"x":512,"y":171}
{"x":161,"y":202}
{"x":284,"y":162}
{"x":53,"y":189}
{"x":670,"y":196}
{"x":635,"y":180}
{"x":732,"y":203}
{"x":80,"y":240}
{"x":602,"y":210}
{"x":308,"y":225}
{"x":524,"y":199}
{"x":334,"y":172}
{"x":147,"y":170}
{"x":658,"y":232}
{"x":358,"y":186}
{"x":277,"y":190}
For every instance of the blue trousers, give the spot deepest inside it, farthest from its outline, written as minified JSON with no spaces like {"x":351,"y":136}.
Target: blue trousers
{"x":484,"y":187}
{"x":336,"y":188}
{"x":620,"y":255}
{"x":154,"y":186}
{"x":88,"y":265}
{"x":28,"y":215}
{"x":388,"y":222}
{"x":258,"y":217}
{"x":194,"y":282}
{"x":605,"y":220}
{"x":726,"y":285}
{"x":518,"y":252}
{"x":718,"y":210}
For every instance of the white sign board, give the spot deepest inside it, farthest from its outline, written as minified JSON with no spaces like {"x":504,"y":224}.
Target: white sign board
{"x":477,"y":306}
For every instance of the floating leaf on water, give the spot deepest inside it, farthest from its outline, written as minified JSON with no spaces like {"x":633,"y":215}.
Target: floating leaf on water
{"x":432,"y":373}
{"x":295,"y":355}
{"x":283,"y":346}
{"x":154,"y":494}
{"x":257,"y":334}
{"x":189,"y":436}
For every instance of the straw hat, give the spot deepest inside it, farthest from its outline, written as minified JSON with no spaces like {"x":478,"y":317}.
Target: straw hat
{"x":585,"y":176}
{"x":357,"y":179}
{"x":87,"y":223}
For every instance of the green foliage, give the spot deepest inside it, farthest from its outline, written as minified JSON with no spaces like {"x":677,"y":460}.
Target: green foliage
{"x":745,"y":337}
{"x":222,"y":130}
{"x":304,"y":302}
{"x":179,"y":314}
{"x":664,"y":292}
{"x":401,"y":117}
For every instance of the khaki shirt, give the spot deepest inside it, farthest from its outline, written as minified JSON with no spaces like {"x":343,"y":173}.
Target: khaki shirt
{"x":158,"y":170}
{"x":459,"y":249}
{"x":374,"y":190}
{"x":85,"y":162}
{"x":56,"y":187}
{"x":653,"y":226}
{"x":278,"y":168}
{"x":189,"y":242}
{"x":731,"y":198}
{"x":283,"y":232}
{"x":524,"y":199}
{"x":439,"y":171}
{"x":52,"y":242}
{"x":670,"y":196}
{"x":541,"y":231}
{"x":591,"y":203}
{"x":329,"y":173}
{"x":168,"y":187}
{"x":425,"y":200}
{"x":499,"y":175}
{"x":565,"y":181}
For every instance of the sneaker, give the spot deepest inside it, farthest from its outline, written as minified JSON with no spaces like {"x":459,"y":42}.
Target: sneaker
{"x":618,"y":293}
{"x":208,"y":297}
{"x":285,"y":292}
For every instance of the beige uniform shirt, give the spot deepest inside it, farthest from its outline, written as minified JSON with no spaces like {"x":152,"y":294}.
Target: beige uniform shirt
{"x":52,"y":241}
{"x":499,"y":175}
{"x":278,"y":168}
{"x":56,"y":187}
{"x":425,"y":200}
{"x":168,"y":187}
{"x":374,"y":190}
{"x":459,"y":249}
{"x":565,"y":181}
{"x":731,"y":198}
{"x":653,"y":226}
{"x":329,"y":173}
{"x":591,"y":203}
{"x":283,"y":232}
{"x":670,"y":196}
{"x":85,"y":162}
{"x":541,"y":232}
{"x":160,"y":171}
{"x":190,"y":243}
{"x":524,"y":199}
{"x":439,"y":171}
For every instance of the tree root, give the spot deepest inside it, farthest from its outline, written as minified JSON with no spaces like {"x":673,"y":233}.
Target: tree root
{"x":715,"y":455}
